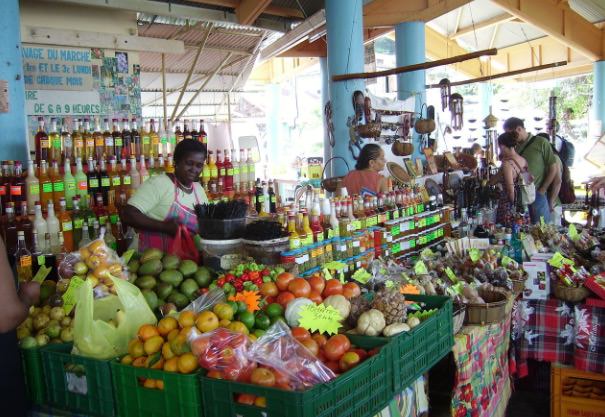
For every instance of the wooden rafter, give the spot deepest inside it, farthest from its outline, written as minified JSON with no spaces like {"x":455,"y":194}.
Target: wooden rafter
{"x":488,"y":23}
{"x":249,"y":10}
{"x":379,"y":13}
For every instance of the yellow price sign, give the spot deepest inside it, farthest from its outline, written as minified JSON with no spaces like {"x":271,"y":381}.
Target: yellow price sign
{"x":319,"y":318}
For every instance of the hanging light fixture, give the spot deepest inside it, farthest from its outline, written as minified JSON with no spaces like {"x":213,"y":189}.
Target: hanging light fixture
{"x":457,"y":110}
{"x":445,"y":90}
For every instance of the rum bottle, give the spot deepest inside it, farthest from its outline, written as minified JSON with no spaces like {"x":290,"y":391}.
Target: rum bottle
{"x":108,"y":139}
{"x":77,"y":221}
{"x":136,"y":148}
{"x":66,"y":226}
{"x":126,"y":140}
{"x":55,"y":141}
{"x":81,"y":180}
{"x":42,"y":143}
{"x":54,"y":225}
{"x":89,"y":141}
{"x":145,"y":140}
{"x":92,"y":177}
{"x":186,"y":132}
{"x":104,"y":182}
{"x":23,"y":259}
{"x":32,"y":185}
{"x":66,"y":141}
{"x":78,"y":140}
{"x":118,"y":141}
{"x":203,"y":135}
{"x":69,"y":183}
{"x":100,"y":210}
{"x":40,"y":225}
{"x":25,"y":224}
{"x":18,"y":191}
{"x":178,"y":133}
{"x":155,"y":139}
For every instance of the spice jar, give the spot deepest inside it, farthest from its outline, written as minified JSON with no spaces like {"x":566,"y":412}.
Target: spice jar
{"x":321,"y":254}
{"x":329,"y":252}
{"x":288,"y":257}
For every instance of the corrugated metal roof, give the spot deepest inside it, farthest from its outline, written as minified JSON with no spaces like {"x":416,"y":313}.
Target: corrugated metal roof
{"x":591,"y":10}
{"x":308,"y":7}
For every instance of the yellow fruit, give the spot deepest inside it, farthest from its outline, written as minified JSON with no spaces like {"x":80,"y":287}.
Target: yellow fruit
{"x":149,"y":383}
{"x":238,"y":326}
{"x":84,"y":253}
{"x":223,"y":311}
{"x":140,"y":362}
{"x":173,"y":333}
{"x":171,"y":365}
{"x":159,"y":384}
{"x":153,"y":344}
{"x":158,"y":365}
{"x":206,"y":321}
{"x":260,"y":402}
{"x":166,"y":351}
{"x":187,"y":318}
{"x":224,"y":323}
{"x":187,"y":363}
{"x":136,"y":349}
{"x":179,"y":345}
{"x":147,"y":331}
{"x":166,"y":325}
{"x":185,"y":331}
{"x":126,"y":360}
{"x":252,"y":337}
{"x":96,"y":245}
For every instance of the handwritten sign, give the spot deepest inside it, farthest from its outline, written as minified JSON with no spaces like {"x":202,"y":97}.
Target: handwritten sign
{"x":451,"y":275}
{"x":70,"y":296}
{"x":319,"y":318}
{"x":573,"y":232}
{"x":56,"y":68}
{"x":362,"y":276}
{"x":42,"y":274}
{"x":475,"y":254}
{"x":420,"y":268}
{"x":62,"y":103}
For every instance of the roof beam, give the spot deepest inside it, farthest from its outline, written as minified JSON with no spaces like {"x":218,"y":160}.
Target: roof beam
{"x":249,"y":10}
{"x":270,"y":9}
{"x":234,"y":51}
{"x":391,"y":12}
{"x":440,"y":47}
{"x":558,"y":20}
{"x":488,"y":23}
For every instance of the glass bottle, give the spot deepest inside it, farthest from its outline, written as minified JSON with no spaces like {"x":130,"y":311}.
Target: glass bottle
{"x":143,"y":170}
{"x":54,"y":226}
{"x":136,"y":149}
{"x":334,"y":219}
{"x":37,"y":258}
{"x":186,"y":132}
{"x":23,"y":259}
{"x":67,"y":226}
{"x":92,"y":176}
{"x":251,"y":166}
{"x":195,"y":134}
{"x":243,"y":167}
{"x":228,"y":177}
{"x":108,"y":139}
{"x":205,"y":176}
{"x":236,"y":169}
{"x":154,"y":140}
{"x":78,"y":140}
{"x":126,"y":140}
{"x":42,"y":142}
{"x":260,"y":198}
{"x":85,"y":236}
{"x":89,"y":141}
{"x":32,"y":185}
{"x":171,"y":137}
{"x":81,"y":180}
{"x":87,"y":210}
{"x":163,"y":147}
{"x":219,"y":164}
{"x":125,"y":177}
{"x":145,"y":140}
{"x":272,"y":199}
{"x":25,"y":224}
{"x":104,"y":181}
{"x":10,"y":229}
{"x":294,"y":238}
{"x":178,"y":133}
{"x":77,"y":222}
{"x":100,"y":210}
{"x":69,"y":184}
{"x":55,"y":141}
{"x":115,"y":179}
{"x":58,"y":184}
{"x":109,"y":238}
{"x":66,"y":141}
{"x":99,"y":141}
{"x":307,"y":228}
{"x":96,"y":230}
{"x":49,"y":257}
{"x":122,"y":242}
{"x":18,"y":189}
{"x":62,"y":250}
{"x":135,"y":177}
{"x":118,"y":141}
{"x":203,"y":135}
{"x":40,"y":225}
{"x":112,"y":211}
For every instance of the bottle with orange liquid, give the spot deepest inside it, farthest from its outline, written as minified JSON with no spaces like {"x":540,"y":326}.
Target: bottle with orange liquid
{"x":66,"y":225}
{"x":58,"y":183}
{"x":89,"y":141}
{"x":115,"y":179}
{"x":99,"y":141}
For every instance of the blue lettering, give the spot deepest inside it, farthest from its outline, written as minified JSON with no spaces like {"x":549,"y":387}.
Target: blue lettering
{"x":76,"y":81}
{"x":75,"y":56}
{"x":31,"y":53}
{"x":52,"y":54}
{"x":49,"y":80}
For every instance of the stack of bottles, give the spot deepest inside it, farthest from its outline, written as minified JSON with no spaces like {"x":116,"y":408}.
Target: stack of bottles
{"x":227,"y":177}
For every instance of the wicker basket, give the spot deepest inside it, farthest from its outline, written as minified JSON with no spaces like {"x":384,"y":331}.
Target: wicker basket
{"x":493,"y":311}
{"x":458,"y":317}
{"x":571,"y":294}
{"x":369,"y":130}
{"x":334,"y":183}
{"x":518,"y":286}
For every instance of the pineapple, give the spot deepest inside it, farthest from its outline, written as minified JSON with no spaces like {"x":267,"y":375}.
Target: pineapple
{"x":358,"y":305}
{"x":391,"y":303}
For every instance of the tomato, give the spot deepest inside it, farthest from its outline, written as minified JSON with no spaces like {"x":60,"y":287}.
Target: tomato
{"x":283,"y":280}
{"x":284,"y":298}
{"x":247,"y":399}
{"x":215,"y":375}
{"x":262,"y":376}
{"x":269,"y":289}
{"x":315,"y":297}
{"x":317,"y":283}
{"x":281,"y":378}
{"x":320,"y":339}
{"x":300,"y":334}
{"x":349,"y":360}
{"x":299,"y":287}
{"x":199,"y":346}
{"x":362,"y":353}
{"x":311,"y":345}
{"x":351,"y":290}
{"x":333,"y":365}
{"x":336,"y":347}
{"x":333,"y":287}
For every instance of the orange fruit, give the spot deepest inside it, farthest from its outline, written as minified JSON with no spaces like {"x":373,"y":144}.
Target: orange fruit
{"x":179,"y":345}
{"x":224,"y":323}
{"x":159,"y":384}
{"x":136,"y":348}
{"x":166,"y":325}
{"x":166,"y":351}
{"x":153,"y":344}
{"x":126,"y":360}
{"x":171,"y":365}
{"x":159,"y":364}
{"x":140,"y":362}
{"x":149,"y":383}
{"x":146,"y":331}
{"x":185,"y":331}
{"x":96,"y":245}
{"x":206,"y":321}
{"x":187,"y":363}
{"x":172,"y":334}
{"x":186,"y":318}
{"x":260,"y":402}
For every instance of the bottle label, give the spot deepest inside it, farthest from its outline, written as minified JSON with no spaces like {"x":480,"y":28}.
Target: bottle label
{"x":47,"y":187}
{"x":273,"y":200}
{"x":146,"y":140}
{"x":90,"y":143}
{"x":34,"y":189}
{"x":67,"y":226}
{"x":213,"y":172}
{"x":173,"y":140}
{"x":115,"y":181}
{"x":16,"y":190}
{"x":395,"y":214}
{"x":25,"y":261}
{"x":319,"y":237}
{"x":93,"y":183}
{"x":70,"y":185}
{"x":105,"y":182}
{"x":45,"y":143}
{"x":109,"y":141}
{"x":3,"y":190}
{"x":118,"y":141}
{"x":102,"y":220}
{"x":163,"y":140}
{"x":222,"y":172}
{"x":113,"y":219}
{"x":99,"y":141}
{"x":79,"y":143}
{"x":260,"y":199}
{"x":230,"y":172}
{"x":82,"y":186}
{"x":58,"y":186}
{"x":155,"y":140}
{"x":57,"y":143}
{"x":236,"y":170}
{"x":78,"y":223}
{"x":127,"y":180}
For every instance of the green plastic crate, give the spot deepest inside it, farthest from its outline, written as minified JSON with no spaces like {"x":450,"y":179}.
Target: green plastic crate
{"x":180,"y":397}
{"x":76,"y":383}
{"x":33,"y":371}
{"x":360,"y":392}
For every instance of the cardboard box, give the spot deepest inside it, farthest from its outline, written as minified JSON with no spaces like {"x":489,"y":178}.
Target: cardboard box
{"x":537,"y":284}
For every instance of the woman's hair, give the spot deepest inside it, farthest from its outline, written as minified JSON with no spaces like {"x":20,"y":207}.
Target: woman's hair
{"x":508,"y":139}
{"x":187,"y":146}
{"x":368,"y":153}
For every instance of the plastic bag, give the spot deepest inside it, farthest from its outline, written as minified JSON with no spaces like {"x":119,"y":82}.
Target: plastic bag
{"x":206,"y":301}
{"x":183,"y":245}
{"x":94,"y":335}
{"x":223,"y":351}
{"x":279,"y":350}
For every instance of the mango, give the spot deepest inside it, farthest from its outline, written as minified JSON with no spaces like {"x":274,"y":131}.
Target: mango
{"x":187,"y":268}
{"x":178,"y":299}
{"x":163,"y":290}
{"x":151,"y":267}
{"x":145,"y":282}
{"x":171,"y":262}
{"x":151,"y":298}
{"x":203,"y":277}
{"x":151,"y":254}
{"x":172,"y":277}
{"x":189,"y":287}
{"x":133,"y":265}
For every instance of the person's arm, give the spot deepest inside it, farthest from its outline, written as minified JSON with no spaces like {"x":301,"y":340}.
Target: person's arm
{"x":553,"y":170}
{"x":550,"y":161}
{"x":509,"y":181}
{"x":14,"y":305}
{"x":132,"y":216}
{"x":383,"y":185}
{"x":555,"y":187}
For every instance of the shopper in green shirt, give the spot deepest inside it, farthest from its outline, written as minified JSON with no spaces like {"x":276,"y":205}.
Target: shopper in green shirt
{"x":542,"y":164}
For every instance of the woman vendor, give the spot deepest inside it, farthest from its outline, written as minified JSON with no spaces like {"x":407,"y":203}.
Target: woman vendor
{"x":365,"y":179}
{"x":164,"y":202}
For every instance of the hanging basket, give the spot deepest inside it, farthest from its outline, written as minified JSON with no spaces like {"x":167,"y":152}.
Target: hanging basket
{"x":369,"y":130}
{"x":332,"y":184}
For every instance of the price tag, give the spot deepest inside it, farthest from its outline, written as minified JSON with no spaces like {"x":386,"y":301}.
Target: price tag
{"x":475,"y":254}
{"x":335,"y":266}
{"x":362,"y":276}
{"x":41,"y":259}
{"x":327,"y":274}
{"x":420,"y":268}
{"x":573,"y":232}
{"x":127,"y":255}
{"x":42,"y":274}
{"x":451,"y":275}
{"x":70,"y":296}
{"x":506,"y":261}
{"x":396,"y":248}
{"x":395,"y":230}
{"x":559,"y":260}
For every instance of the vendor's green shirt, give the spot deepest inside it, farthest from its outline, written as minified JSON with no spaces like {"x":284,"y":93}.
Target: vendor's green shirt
{"x":539,"y":156}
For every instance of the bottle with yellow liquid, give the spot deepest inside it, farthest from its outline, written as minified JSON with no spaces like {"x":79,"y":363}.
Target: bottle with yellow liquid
{"x":170,"y":164}
{"x":145,"y":140}
{"x":89,"y":141}
{"x":55,"y":141}
{"x":155,"y":139}
{"x":293,"y":234}
{"x":205,"y":176}
{"x":213,"y":169}
{"x":99,"y":141}
{"x":78,"y":140}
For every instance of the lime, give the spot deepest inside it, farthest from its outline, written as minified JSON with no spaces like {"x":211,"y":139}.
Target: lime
{"x":259,"y":332}
{"x":242,"y":307}
{"x":247,"y":318}
{"x":277,"y":318}
{"x":262,"y":321}
{"x":234,"y":306}
{"x":274,"y":310}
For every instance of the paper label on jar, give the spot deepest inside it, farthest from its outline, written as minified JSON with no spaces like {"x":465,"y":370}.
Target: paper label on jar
{"x":58,"y":186}
{"x":127,"y":180}
{"x":395,"y":230}
{"x":105,"y":182}
{"x":67,"y":226}
{"x":396,"y":248}
{"x":395,"y":214}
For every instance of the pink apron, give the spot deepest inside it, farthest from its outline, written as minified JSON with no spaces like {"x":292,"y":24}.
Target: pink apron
{"x":182,"y":214}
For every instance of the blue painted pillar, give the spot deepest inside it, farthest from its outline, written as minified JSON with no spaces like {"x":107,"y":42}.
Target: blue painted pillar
{"x":599,"y":93}
{"x":486,"y":92}
{"x":13,"y":123}
{"x":410,"y":49}
{"x":325,"y":97}
{"x":344,"y":24}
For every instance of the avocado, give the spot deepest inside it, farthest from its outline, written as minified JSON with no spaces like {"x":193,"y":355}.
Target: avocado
{"x":152,"y":267}
{"x":133,"y":265}
{"x":151,"y":253}
{"x":178,"y":299}
{"x":151,"y":298}
{"x":145,"y":282}
{"x":187,"y":268}
{"x":203,"y":277}
{"x":164,"y":289}
{"x":171,"y":261}
{"x":189,"y":287}
{"x":172,"y":277}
